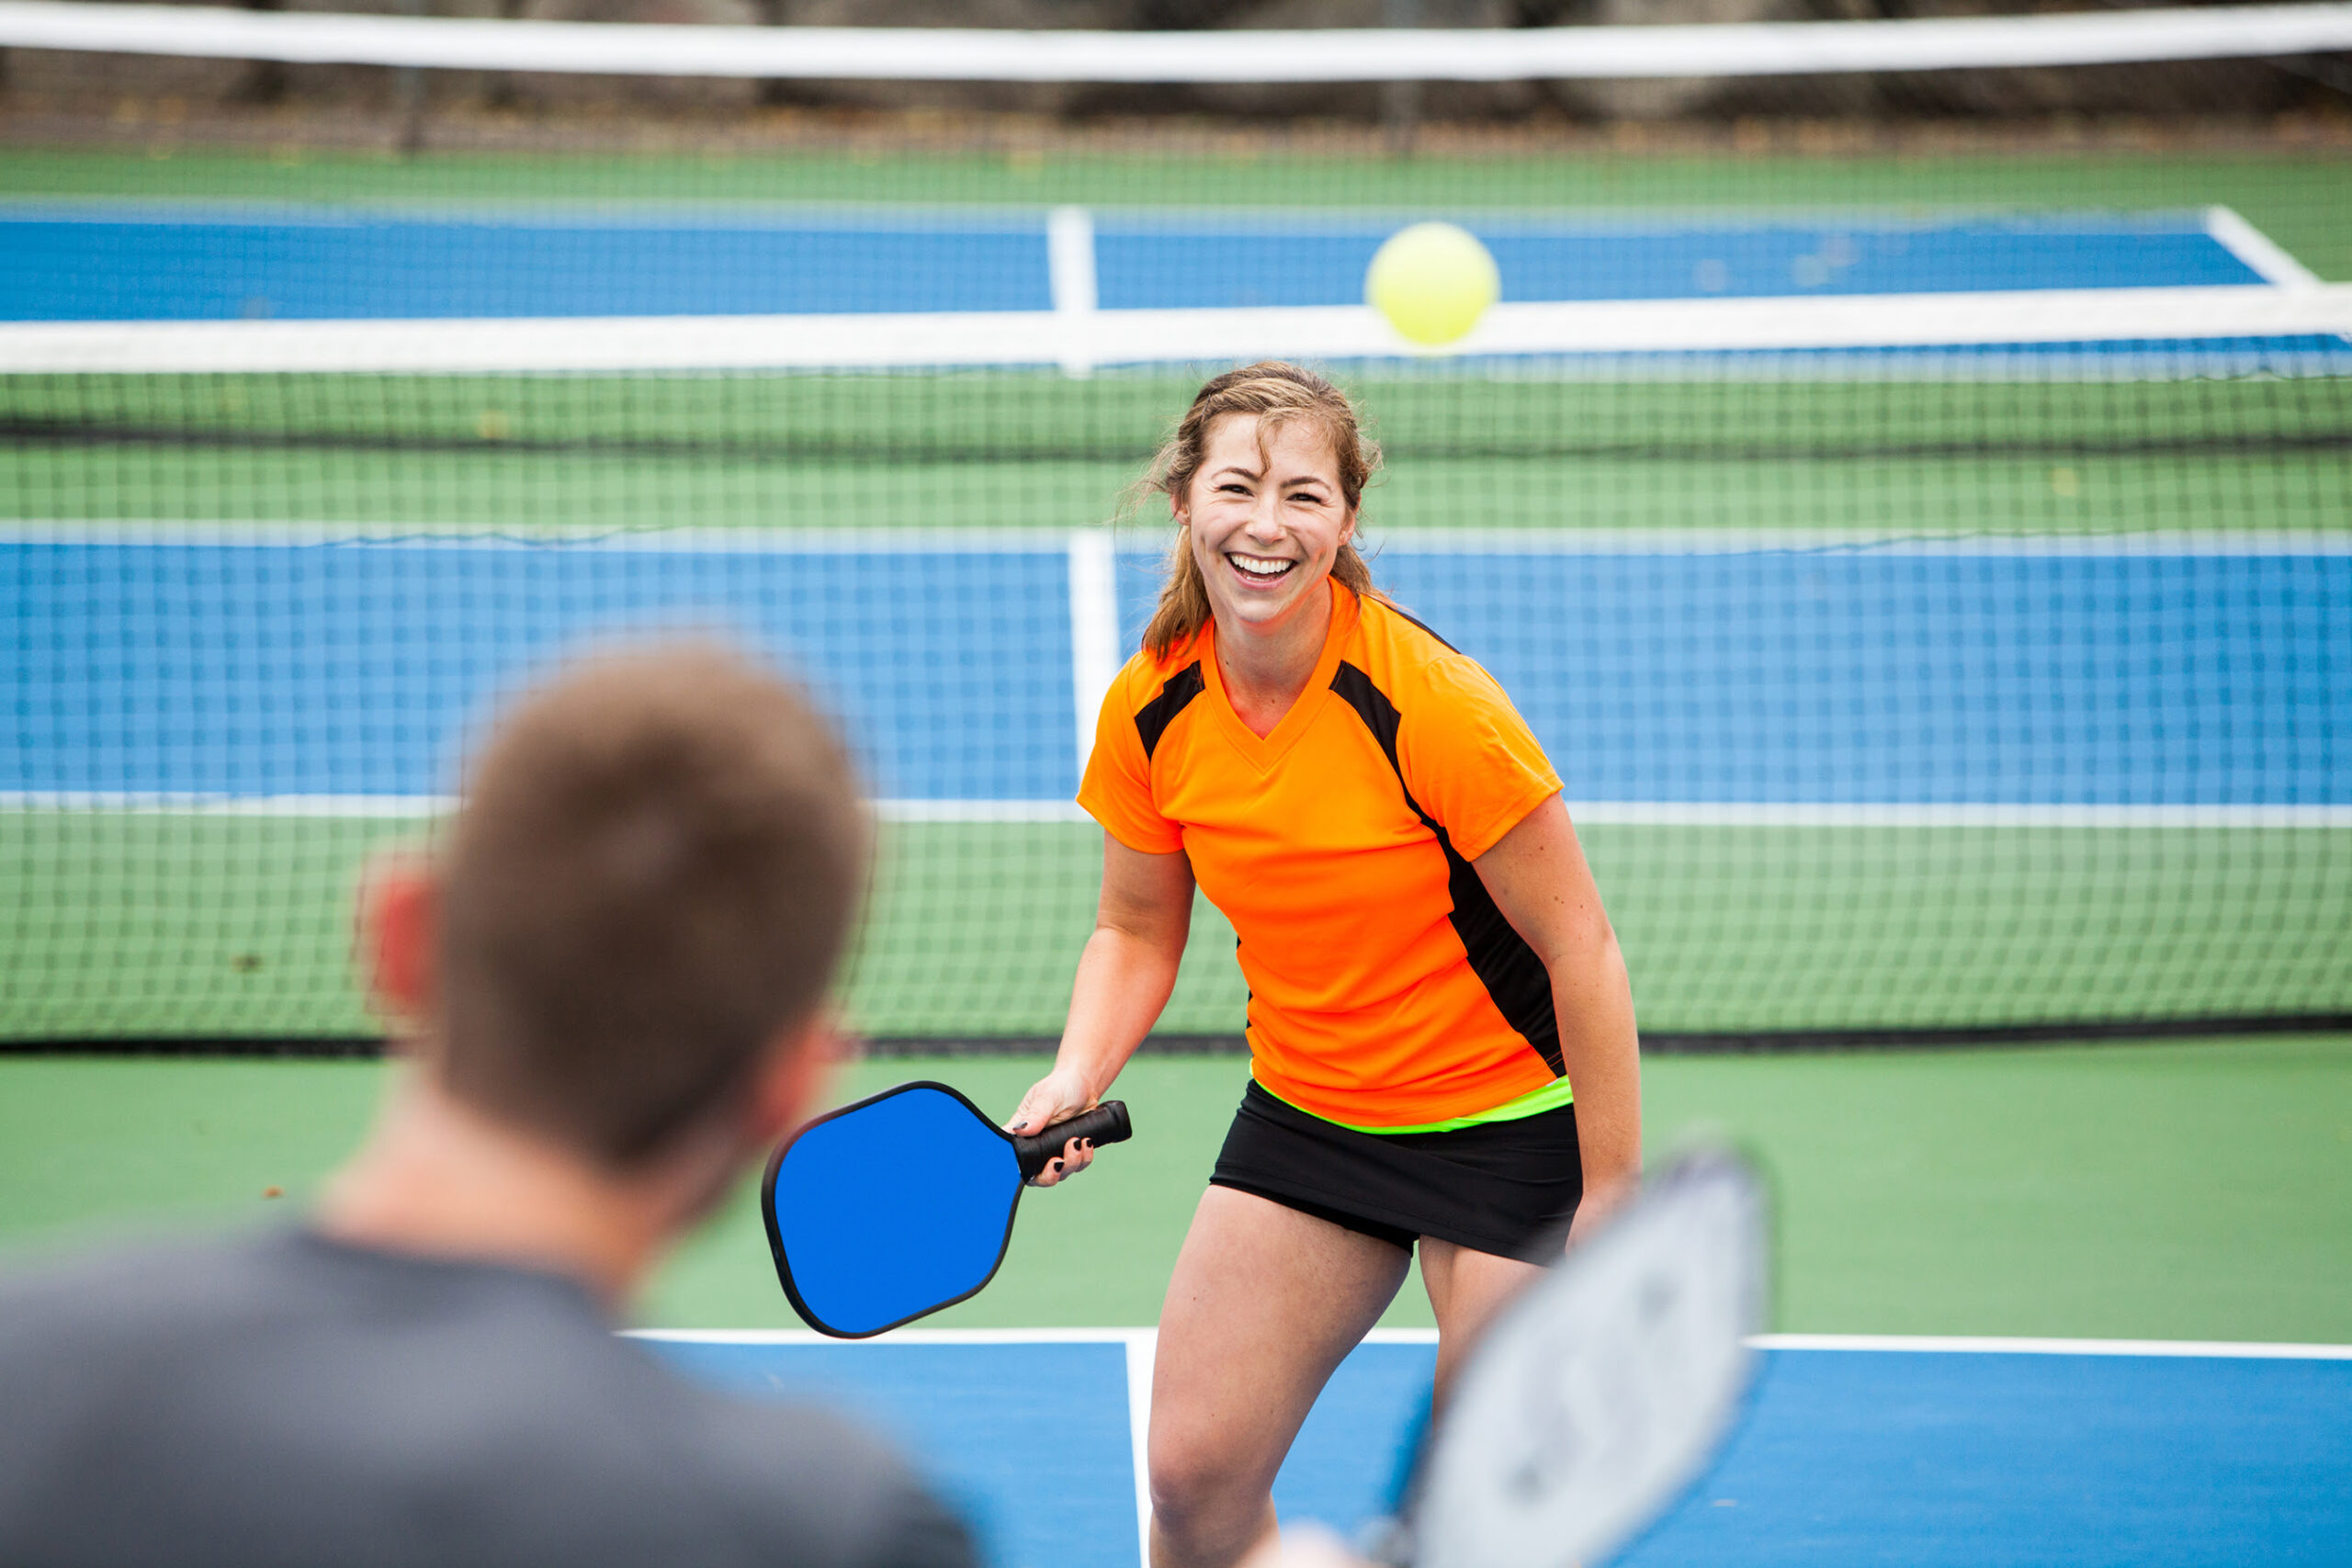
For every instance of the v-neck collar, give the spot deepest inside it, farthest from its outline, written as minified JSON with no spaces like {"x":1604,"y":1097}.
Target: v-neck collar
{"x":1263,"y":753}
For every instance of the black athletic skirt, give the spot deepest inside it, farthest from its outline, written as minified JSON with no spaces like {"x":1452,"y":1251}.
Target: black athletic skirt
{"x":1508,"y":1188}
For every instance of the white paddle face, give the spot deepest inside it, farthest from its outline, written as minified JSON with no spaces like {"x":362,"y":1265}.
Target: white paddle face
{"x":1604,"y":1390}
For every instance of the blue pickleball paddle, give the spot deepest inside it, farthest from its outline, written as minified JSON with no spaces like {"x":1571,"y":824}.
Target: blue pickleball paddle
{"x":902,"y":1204}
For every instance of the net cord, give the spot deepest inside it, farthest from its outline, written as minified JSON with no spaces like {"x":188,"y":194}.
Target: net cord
{"x":1321,"y":55}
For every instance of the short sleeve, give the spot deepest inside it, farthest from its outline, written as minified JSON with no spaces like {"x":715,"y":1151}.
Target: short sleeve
{"x":1117,"y":791}
{"x":1469,"y":759}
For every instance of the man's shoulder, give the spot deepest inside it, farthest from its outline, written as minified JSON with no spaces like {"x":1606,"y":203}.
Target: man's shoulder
{"x":129,"y":1288}
{"x":367,"y":1395}
{"x":816,"y":1483}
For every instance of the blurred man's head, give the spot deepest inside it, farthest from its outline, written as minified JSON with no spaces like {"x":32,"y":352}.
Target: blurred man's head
{"x":625,"y":944}
{"x":651,"y":880}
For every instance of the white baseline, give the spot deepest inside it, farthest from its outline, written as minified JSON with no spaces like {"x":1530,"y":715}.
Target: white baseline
{"x":1590,"y":813}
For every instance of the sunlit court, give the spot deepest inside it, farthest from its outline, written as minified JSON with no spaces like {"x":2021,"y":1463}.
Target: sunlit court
{"x":1898,"y":473}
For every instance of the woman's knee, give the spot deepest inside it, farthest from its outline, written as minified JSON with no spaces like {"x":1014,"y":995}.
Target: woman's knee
{"x":1196,"y":1480}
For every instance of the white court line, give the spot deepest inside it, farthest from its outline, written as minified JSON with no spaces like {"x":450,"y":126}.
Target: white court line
{"x":1139,"y":541}
{"x":1141,"y":1344}
{"x":1138,"y":1345}
{"x":1354,"y":221}
{"x":1966,"y":1344}
{"x":1972,"y":1344}
{"x":1093,"y":629}
{"x":1598,"y":813}
{"x":2136,"y":545}
{"x":654,"y":538}
{"x":1470,"y":54}
{"x":782,"y":215}
{"x":986,"y":810}
{"x":419,"y":807}
{"x":1142,"y":1348}
{"x":2259,"y":250}
{"x":979,"y":338}
{"x":170,"y":803}
{"x":1744,"y":814}
{"x":1069,"y":267}
{"x":896,"y":1336}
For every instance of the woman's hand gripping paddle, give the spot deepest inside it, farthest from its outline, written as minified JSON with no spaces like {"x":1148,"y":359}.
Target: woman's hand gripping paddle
{"x":902,"y":1204}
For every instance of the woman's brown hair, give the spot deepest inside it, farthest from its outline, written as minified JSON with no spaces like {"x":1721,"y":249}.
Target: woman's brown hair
{"x":1276,"y":394}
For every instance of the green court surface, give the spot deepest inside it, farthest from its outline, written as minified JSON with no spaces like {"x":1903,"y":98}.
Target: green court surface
{"x":2297,"y":197}
{"x":2195,"y":1191}
{"x":130,"y":924}
{"x":2191,"y":1191}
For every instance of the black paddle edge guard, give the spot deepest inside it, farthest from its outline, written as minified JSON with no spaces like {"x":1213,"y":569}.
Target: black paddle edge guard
{"x":1110,"y":1117}
{"x":1724,"y":1043}
{"x":776,"y":1237}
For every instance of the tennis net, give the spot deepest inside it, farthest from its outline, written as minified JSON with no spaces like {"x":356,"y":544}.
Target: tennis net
{"x":1930,"y":570}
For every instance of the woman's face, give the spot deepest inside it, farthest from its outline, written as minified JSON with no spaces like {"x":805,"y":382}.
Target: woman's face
{"x":1265,"y":524}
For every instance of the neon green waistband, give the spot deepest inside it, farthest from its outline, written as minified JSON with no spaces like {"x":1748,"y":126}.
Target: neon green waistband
{"x":1535,"y":1103}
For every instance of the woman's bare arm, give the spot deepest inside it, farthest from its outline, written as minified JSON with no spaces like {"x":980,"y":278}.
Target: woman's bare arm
{"x":1538,"y":879}
{"x":1124,"y":976}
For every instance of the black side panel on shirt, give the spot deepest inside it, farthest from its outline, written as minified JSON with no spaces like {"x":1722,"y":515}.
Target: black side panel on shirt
{"x":1179,"y":688}
{"x":1499,"y":956}
{"x":1415,"y":620}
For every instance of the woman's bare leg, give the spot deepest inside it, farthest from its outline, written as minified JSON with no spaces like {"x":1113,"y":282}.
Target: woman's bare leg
{"x":1466,"y":1289}
{"x":1264,"y":1303}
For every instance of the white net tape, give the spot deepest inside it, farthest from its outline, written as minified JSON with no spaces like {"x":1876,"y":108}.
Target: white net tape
{"x":1324,"y":55}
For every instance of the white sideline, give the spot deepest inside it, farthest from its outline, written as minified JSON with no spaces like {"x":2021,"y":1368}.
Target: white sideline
{"x":2257,"y":250}
{"x":1976,"y":1344}
{"x":1941,"y":1344}
{"x":1323,"y":56}
{"x":660,"y":539}
{"x":1588,"y":813}
{"x":1141,"y":1343}
{"x":1097,"y":338}
{"x":1093,"y":630}
{"x":1142,"y":1350}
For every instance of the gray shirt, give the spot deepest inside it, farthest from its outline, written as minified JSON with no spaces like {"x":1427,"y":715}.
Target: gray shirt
{"x":281,"y":1399}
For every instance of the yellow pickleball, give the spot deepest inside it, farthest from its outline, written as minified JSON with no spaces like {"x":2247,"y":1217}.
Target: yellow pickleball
{"x":1432,"y":281}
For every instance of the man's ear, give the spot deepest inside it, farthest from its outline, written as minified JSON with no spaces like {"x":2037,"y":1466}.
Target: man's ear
{"x":791,"y":1081}
{"x":400,"y":937}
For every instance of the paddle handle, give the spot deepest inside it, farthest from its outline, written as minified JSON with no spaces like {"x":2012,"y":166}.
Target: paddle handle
{"x":1107,"y":1124}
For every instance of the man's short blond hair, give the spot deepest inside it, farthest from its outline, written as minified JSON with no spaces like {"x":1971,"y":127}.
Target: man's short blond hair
{"x":649,"y":883}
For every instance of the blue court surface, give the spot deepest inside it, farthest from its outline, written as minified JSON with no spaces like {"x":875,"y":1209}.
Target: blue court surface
{"x":2156,"y":674}
{"x":194,"y":262}
{"x":1976,"y":1458}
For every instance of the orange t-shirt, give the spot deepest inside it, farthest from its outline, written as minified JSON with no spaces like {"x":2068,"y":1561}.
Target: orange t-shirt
{"x":1385,"y":988}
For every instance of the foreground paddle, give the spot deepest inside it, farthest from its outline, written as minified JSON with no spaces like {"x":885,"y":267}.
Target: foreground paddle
{"x":1600,"y":1393}
{"x":902,"y":1204}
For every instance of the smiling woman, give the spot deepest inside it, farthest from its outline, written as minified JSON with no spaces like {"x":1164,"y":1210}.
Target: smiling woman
{"x":1429,"y":967}
{"x":1231,"y":438}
